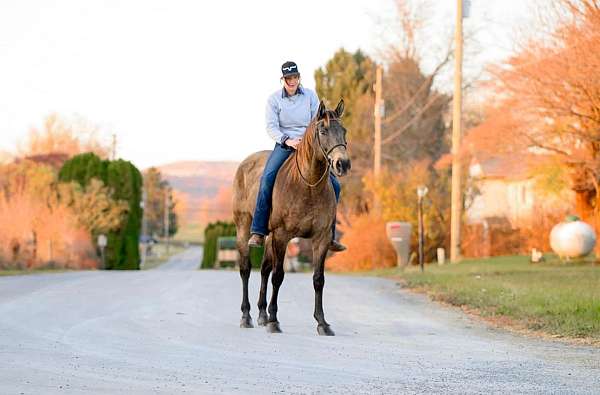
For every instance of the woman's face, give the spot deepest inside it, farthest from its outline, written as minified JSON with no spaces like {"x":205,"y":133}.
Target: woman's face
{"x":291,"y":83}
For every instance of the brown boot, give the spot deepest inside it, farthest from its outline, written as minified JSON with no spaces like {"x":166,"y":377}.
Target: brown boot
{"x":336,"y":246}
{"x":256,"y":240}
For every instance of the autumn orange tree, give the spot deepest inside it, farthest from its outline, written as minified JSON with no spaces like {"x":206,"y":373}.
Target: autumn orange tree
{"x":45,"y":222}
{"x":61,"y":135}
{"x":549,"y":99}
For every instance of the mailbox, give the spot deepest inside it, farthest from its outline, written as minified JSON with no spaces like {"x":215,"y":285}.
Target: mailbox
{"x":399,"y":234}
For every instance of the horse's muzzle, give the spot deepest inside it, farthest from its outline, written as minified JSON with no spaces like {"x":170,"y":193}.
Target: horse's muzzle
{"x":341,"y":166}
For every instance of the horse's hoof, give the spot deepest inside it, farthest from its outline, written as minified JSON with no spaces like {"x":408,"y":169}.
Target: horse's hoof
{"x":325,"y":330}
{"x":262,"y":319}
{"x":273,"y":327}
{"x":246,"y":323}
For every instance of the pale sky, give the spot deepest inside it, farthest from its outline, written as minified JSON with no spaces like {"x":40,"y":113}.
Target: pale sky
{"x":188,"y":80}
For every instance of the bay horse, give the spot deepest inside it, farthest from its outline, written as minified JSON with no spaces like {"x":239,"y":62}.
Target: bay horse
{"x":303,"y":205}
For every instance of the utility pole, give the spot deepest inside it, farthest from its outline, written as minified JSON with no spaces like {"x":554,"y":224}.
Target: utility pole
{"x":166,"y":222}
{"x":114,"y":146}
{"x":377,"y":149}
{"x":421,"y":192}
{"x":456,"y":135}
{"x":145,"y":238}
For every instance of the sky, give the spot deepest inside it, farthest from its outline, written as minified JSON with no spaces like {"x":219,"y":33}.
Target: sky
{"x":188,"y":80}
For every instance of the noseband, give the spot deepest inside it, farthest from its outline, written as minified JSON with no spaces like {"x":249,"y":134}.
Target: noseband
{"x":325,"y":155}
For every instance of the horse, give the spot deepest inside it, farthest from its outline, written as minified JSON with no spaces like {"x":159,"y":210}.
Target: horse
{"x":303,"y":205}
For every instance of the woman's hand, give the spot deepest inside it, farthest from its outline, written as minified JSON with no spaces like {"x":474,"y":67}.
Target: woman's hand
{"x":292,"y":142}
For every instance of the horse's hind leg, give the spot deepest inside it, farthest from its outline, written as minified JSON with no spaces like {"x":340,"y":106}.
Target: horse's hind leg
{"x":278,"y":247}
{"x":243,"y":234}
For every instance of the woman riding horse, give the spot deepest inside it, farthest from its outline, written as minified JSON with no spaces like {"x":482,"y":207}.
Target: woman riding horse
{"x":303,"y":204}
{"x":288,"y":113}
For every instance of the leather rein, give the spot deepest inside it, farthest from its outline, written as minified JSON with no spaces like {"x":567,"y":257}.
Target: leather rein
{"x":325,"y":154}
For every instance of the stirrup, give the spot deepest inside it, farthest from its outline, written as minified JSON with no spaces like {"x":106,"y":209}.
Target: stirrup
{"x":256,"y":240}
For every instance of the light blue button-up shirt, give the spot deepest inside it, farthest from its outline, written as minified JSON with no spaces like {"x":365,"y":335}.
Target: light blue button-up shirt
{"x":289,"y":116}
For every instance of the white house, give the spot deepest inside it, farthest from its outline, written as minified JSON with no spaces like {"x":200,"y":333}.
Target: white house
{"x":506,"y":189}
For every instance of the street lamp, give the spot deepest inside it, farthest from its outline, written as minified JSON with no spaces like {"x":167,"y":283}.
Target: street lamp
{"x":421,"y":192}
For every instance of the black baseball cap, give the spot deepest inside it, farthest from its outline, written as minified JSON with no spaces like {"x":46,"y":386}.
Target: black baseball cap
{"x":289,"y":69}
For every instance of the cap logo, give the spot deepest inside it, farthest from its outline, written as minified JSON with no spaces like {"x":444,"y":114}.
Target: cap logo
{"x":290,"y":68}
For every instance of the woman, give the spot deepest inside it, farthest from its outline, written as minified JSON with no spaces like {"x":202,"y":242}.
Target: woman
{"x":288,"y":114}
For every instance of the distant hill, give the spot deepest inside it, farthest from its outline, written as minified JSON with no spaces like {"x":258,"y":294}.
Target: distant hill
{"x":199,"y":179}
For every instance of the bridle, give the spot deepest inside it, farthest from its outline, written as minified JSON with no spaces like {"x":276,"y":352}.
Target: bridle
{"x":325,"y":155}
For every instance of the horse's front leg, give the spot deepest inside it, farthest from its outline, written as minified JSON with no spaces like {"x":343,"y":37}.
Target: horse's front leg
{"x":320,"y":247}
{"x":278,"y":247}
{"x":265,"y":271}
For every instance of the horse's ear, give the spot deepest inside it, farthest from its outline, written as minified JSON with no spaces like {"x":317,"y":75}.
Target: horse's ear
{"x":339,"y":110}
{"x":321,"y":111}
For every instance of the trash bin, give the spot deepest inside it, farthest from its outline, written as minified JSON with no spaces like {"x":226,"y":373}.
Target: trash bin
{"x":399,"y":234}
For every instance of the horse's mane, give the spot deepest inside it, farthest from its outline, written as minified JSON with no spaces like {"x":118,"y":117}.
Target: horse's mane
{"x":305,"y":150}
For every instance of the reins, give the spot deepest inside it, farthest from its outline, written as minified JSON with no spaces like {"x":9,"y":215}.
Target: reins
{"x":325,"y":154}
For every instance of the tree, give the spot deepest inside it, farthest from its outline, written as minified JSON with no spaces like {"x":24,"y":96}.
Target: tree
{"x":351,"y":77}
{"x":550,"y":99}
{"x":124,"y":181}
{"x":95,"y":209}
{"x":181,"y":202}
{"x":397,"y":192}
{"x":414,"y":127}
{"x":60,"y":135}
{"x":39,"y":228}
{"x":156,"y":189}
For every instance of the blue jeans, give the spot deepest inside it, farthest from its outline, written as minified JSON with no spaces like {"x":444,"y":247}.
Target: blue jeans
{"x":260,"y":221}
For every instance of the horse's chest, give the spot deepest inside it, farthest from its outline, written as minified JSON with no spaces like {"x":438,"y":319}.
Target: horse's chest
{"x":303,"y":213}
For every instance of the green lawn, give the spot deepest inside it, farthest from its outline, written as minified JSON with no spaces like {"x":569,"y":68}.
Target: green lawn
{"x":557,"y":298}
{"x":12,"y":272}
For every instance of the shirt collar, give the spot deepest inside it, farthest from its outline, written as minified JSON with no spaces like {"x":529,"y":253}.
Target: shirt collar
{"x":300,"y":91}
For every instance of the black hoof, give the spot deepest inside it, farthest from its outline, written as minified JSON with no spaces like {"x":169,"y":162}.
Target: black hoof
{"x":325,"y":330}
{"x":273,"y":327}
{"x":262,"y":319}
{"x":246,"y":322}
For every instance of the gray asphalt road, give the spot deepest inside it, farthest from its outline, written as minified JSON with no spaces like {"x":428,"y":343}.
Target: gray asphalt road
{"x":162,"y":331}
{"x":187,"y":260}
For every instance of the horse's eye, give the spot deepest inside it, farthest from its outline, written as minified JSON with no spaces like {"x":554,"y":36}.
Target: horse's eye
{"x":323,"y":131}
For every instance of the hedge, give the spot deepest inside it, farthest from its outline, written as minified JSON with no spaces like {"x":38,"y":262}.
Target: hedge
{"x":125,"y":181}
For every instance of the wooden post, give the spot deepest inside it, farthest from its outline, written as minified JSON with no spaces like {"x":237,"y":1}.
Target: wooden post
{"x":377,"y":146}
{"x":456,"y":135}
{"x":166,"y":228}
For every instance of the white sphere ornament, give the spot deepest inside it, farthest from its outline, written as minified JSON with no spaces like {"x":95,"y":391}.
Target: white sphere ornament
{"x":572,"y":238}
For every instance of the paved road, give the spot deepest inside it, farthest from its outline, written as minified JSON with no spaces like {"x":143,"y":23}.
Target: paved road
{"x":187,"y":260}
{"x":169,"y":332}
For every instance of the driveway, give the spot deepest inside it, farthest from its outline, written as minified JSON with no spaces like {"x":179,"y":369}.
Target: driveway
{"x":176,"y":331}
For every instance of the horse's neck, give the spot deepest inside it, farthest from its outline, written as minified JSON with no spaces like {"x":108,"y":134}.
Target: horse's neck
{"x":316,"y":168}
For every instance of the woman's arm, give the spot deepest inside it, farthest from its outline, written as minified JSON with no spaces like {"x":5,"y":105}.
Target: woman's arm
{"x":272,"y":121}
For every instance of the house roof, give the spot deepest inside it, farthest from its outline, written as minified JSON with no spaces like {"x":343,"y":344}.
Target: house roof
{"x":509,"y":166}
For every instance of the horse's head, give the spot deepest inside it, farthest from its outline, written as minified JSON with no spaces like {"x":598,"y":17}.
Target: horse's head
{"x":331,"y":138}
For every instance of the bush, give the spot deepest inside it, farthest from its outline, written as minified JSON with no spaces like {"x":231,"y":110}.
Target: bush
{"x":213,"y":231}
{"x":368,"y":246}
